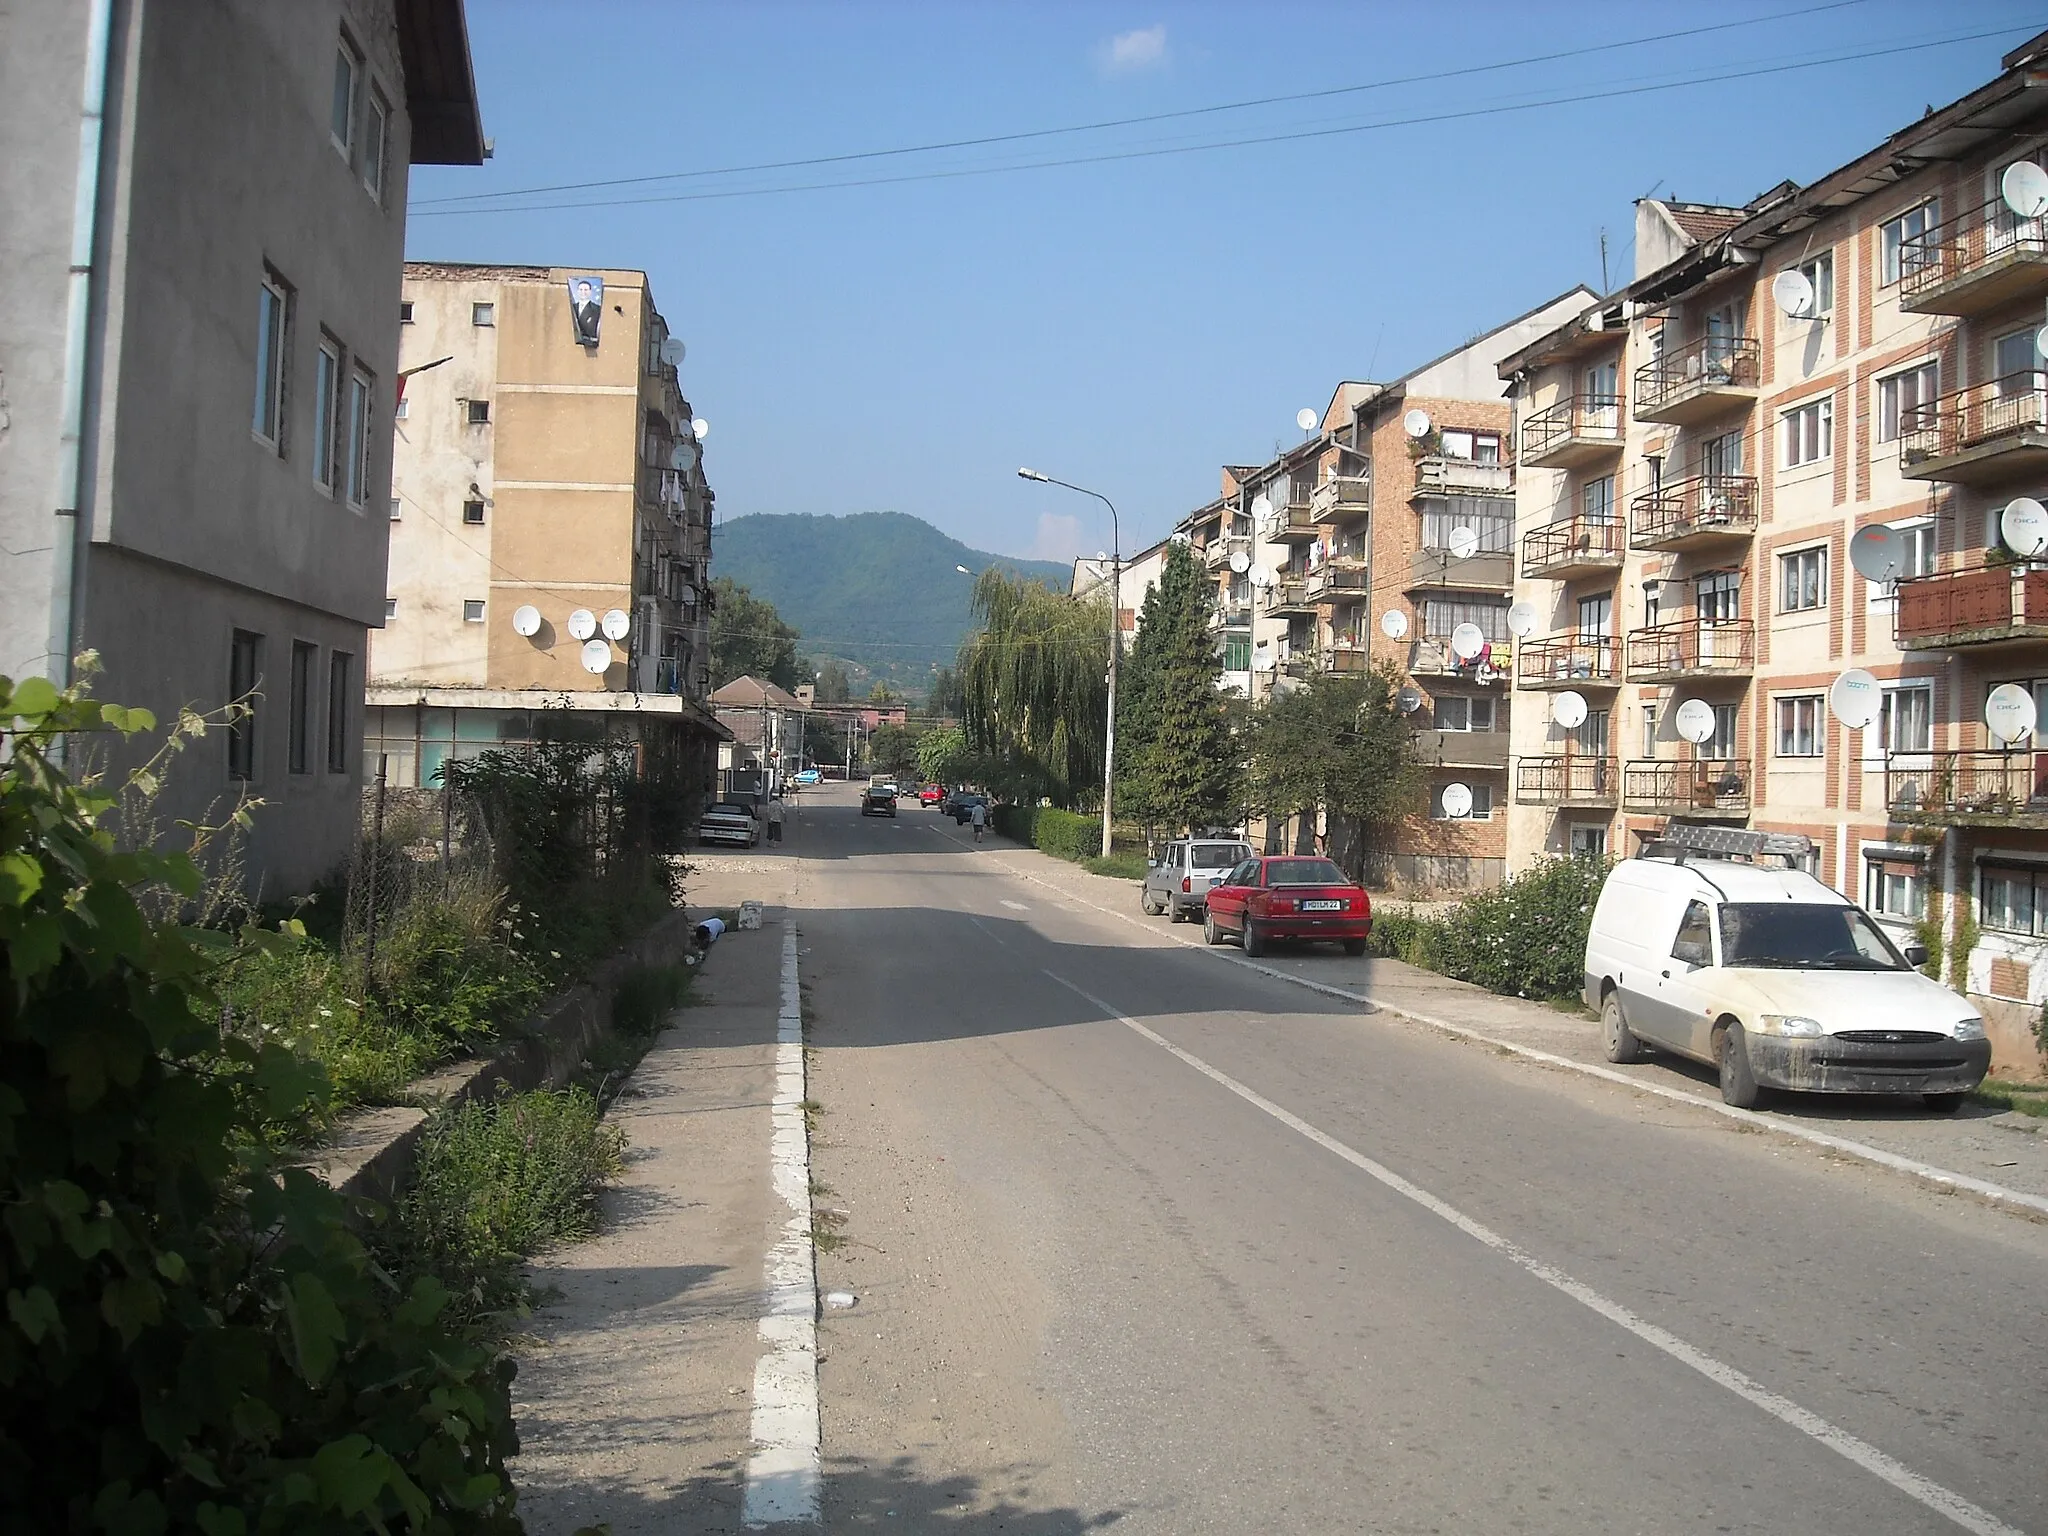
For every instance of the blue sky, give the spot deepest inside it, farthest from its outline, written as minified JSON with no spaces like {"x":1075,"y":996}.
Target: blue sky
{"x":1131,"y":324}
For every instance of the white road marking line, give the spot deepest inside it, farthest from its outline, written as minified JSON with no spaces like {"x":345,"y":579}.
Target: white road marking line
{"x":1950,"y":1505}
{"x":1015,"y":906}
{"x":783,"y":1476}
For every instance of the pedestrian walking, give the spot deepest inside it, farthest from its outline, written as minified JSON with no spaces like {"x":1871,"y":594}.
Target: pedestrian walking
{"x":979,"y":816}
{"x":774,"y":821}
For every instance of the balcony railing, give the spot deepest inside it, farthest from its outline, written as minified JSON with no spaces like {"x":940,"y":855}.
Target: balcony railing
{"x":1697,"y":379}
{"x":1985,"y":605}
{"x":1980,"y":259}
{"x":1467,"y":749}
{"x":1701,"y":786}
{"x":1339,"y":584}
{"x":1691,"y":648}
{"x":1340,"y":496}
{"x":1489,"y":570}
{"x":1432,"y":656}
{"x":1342,"y":657}
{"x":1976,"y":788}
{"x":1289,"y":594}
{"x":1988,"y":431}
{"x":1230,"y":616}
{"x":1288,"y":523}
{"x":1439,"y":475}
{"x":1568,"y":779}
{"x":1568,"y":661}
{"x":1701,"y":510}
{"x":1577,"y":429}
{"x":1578,"y":546}
{"x":1217,"y":552}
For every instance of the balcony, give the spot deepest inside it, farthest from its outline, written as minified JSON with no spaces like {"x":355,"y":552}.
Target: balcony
{"x":1436,"y":475}
{"x":1709,"y":788}
{"x":1334,"y":583}
{"x":1488,"y":571}
{"x":1691,"y":648}
{"x":1987,"y":605}
{"x":1568,"y":781}
{"x":1465,"y":749}
{"x":1289,"y":525}
{"x":1567,"y":661}
{"x":1217,"y":552}
{"x":1230,"y":616}
{"x":1432,"y":656}
{"x":1289,"y":595}
{"x":1341,"y":496}
{"x":1967,"y":789}
{"x":1699,"y":380}
{"x":1991,"y":431}
{"x":1579,"y":429}
{"x":1578,"y":546}
{"x":1343,"y":657}
{"x":1693,"y":513}
{"x":1979,"y":260}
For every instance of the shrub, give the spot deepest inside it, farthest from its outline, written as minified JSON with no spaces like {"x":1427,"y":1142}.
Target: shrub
{"x":1524,"y":938}
{"x":1065,"y":835}
{"x":1016,"y":822}
{"x":644,"y":996}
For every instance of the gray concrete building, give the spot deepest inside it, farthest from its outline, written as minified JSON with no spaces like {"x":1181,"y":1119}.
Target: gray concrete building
{"x":204,"y":237}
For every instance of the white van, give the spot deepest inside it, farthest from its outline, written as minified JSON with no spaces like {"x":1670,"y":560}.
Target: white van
{"x":1775,"y":979}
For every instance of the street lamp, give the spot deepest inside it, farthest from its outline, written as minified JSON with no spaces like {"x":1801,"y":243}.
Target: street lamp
{"x":1115,"y":640}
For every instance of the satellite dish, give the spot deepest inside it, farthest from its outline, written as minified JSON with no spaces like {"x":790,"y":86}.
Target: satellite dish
{"x":1522,"y":620}
{"x":1416,"y":423}
{"x":1407,"y":699}
{"x":526,"y":620}
{"x":2041,"y":341}
{"x":1568,"y":709}
{"x":2024,"y":526}
{"x":617,"y":623}
{"x":1394,"y":624}
{"x":1877,"y":553}
{"x":699,"y":427}
{"x":1457,"y":800}
{"x":2009,"y":713}
{"x":1462,"y":542}
{"x":1305,"y":419}
{"x":1261,"y":507}
{"x":1793,"y":293}
{"x":597,"y":657}
{"x":672,"y":350}
{"x":1854,"y":697}
{"x":1240,"y":562}
{"x":582,"y":624}
{"x":1467,"y":641}
{"x":1263,"y":662}
{"x":2024,"y":186}
{"x":1261,"y":576}
{"x":1695,"y":720}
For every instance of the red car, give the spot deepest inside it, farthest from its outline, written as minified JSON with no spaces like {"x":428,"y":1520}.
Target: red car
{"x":930,"y":796}
{"x":1290,"y":896}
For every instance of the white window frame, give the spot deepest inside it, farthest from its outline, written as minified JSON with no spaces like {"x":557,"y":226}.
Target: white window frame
{"x":470,"y":418}
{"x":1810,"y":424}
{"x":1800,"y":728}
{"x":1482,"y":796}
{"x":1471,"y":707}
{"x":273,"y":347}
{"x":348,"y":81}
{"x":1894,"y":233}
{"x":477,"y":521}
{"x":483,"y":313}
{"x":1920,"y":536}
{"x":405,"y":311}
{"x":1803,"y":579}
{"x":390,"y":609}
{"x":472,"y":610}
{"x":1596,"y":499}
{"x":327,"y":377}
{"x":1820,"y":274}
{"x":1888,"y":716}
{"x":356,"y":473}
{"x":1891,"y":404}
{"x":376,"y":138}
{"x":1879,"y":888}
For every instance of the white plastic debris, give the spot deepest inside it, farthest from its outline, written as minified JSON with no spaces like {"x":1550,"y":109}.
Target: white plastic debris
{"x":841,"y":1299}
{"x":750,"y":914}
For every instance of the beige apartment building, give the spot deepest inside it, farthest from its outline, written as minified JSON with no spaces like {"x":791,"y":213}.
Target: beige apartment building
{"x":550,"y":526}
{"x":1699,"y":451}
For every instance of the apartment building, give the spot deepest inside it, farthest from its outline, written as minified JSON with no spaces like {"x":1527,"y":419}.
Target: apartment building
{"x":198,"y":342}
{"x":1136,"y":576}
{"x":550,"y":526}
{"x":1712,"y":439}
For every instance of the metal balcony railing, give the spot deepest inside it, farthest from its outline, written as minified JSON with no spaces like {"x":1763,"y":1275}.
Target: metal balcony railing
{"x":1569,"y":661}
{"x":1967,"y":788}
{"x":1981,"y":257}
{"x":1699,"y":786}
{"x":1289,"y":523}
{"x":1575,"y":423}
{"x":1437,"y":474}
{"x":1567,"y":779}
{"x":1346,"y":656}
{"x":1338,"y":584}
{"x":1695,"y":510}
{"x":1577,"y":544}
{"x":1975,"y":423}
{"x":1979,"y":606}
{"x":1702,"y":368}
{"x":1341,"y":496}
{"x":1691,"y":648}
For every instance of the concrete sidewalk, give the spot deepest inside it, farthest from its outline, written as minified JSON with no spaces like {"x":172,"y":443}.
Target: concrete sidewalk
{"x":634,"y":1394}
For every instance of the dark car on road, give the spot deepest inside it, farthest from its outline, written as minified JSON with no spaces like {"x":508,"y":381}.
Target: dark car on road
{"x":962,"y":805}
{"x":1288,"y":896}
{"x":878,"y":800}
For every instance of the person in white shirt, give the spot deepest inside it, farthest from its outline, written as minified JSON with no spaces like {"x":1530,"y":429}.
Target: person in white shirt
{"x":774,"y":821}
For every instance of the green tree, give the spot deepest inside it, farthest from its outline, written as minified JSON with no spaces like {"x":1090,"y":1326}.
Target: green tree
{"x":941,"y":754}
{"x":835,"y":686}
{"x":1337,"y":745}
{"x":893,"y":749}
{"x":942,"y":695}
{"x":882,"y":696}
{"x":1033,"y":688}
{"x":748,"y":638}
{"x":1177,"y":760}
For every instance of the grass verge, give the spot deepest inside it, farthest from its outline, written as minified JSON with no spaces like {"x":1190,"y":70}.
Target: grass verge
{"x":2026,"y":1098}
{"x":1120,"y":865}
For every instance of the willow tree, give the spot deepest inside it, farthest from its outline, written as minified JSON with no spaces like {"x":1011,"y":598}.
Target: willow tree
{"x":1033,"y":686}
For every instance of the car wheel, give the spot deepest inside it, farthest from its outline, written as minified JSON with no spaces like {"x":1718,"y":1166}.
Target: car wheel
{"x":1211,"y":934}
{"x":1738,"y":1082}
{"x":1254,"y":940}
{"x":1179,"y":913}
{"x":1149,"y":904}
{"x":1945,"y":1103}
{"x":1354,"y":946}
{"x":1621,"y":1041}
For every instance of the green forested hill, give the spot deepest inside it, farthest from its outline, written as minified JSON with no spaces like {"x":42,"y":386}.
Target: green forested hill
{"x":877,"y":589}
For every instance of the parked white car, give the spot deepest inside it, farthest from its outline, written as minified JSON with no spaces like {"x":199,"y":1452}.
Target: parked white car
{"x":730,"y":821}
{"x":1776,"y":980}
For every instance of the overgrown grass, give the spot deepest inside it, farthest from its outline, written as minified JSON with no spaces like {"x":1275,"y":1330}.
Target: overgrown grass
{"x":2026,"y":1098}
{"x":645,"y":995}
{"x":1122,"y":864}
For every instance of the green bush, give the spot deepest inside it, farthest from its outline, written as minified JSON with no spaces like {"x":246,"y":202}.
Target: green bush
{"x":1016,"y":822}
{"x":1524,"y":938}
{"x":1065,"y":835}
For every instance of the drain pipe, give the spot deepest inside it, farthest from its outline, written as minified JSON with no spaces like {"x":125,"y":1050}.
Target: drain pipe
{"x":72,"y":449}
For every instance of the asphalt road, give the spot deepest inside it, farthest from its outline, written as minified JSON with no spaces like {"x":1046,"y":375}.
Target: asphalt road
{"x":1146,"y":1240}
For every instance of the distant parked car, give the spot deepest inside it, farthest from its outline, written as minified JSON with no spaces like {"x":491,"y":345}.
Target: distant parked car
{"x":962,"y":806}
{"x":730,"y":821}
{"x":930,"y":796}
{"x":1288,"y":897}
{"x":809,"y":776}
{"x":1177,"y":882}
{"x":878,"y":800}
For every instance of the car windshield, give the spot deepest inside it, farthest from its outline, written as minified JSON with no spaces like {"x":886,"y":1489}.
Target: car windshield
{"x":1303,"y":872}
{"x":1806,"y":936}
{"x":1218,"y":855}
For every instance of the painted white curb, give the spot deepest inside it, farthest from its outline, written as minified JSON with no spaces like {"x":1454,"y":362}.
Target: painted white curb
{"x":783,"y":1477}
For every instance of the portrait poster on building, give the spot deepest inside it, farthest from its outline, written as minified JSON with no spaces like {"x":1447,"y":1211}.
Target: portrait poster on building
{"x":586,"y":307}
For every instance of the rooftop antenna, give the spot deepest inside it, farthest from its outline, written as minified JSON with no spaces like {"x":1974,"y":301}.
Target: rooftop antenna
{"x":1604,"y":287}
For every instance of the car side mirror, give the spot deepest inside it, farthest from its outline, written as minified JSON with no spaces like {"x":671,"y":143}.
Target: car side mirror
{"x":1916,"y":954}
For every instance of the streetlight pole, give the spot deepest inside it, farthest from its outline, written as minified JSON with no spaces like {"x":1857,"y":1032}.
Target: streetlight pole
{"x":1116,"y":563}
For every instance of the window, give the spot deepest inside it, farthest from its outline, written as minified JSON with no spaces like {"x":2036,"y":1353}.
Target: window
{"x":1589,"y":840}
{"x":1721,"y":745}
{"x":1603,"y":384}
{"x":2015,"y":365}
{"x":1596,"y":500}
{"x":479,"y":413}
{"x":1803,"y":580}
{"x":1596,"y":616}
{"x":376,"y":134}
{"x":340,"y":671}
{"x":1237,"y":653}
{"x":1478,"y":447}
{"x":1717,"y":597}
{"x":472,"y":511}
{"x":472,"y":610}
{"x":404,"y":410}
{"x":483,"y":314}
{"x":273,"y":322}
{"x":397,"y":505}
{"x":1894,"y":886}
{"x":348,"y":69}
{"x":405,"y":311}
{"x":1591,"y":736}
{"x":299,"y":755}
{"x":1695,"y":941}
{"x":1902,"y":398}
{"x":245,"y":655}
{"x":1799,"y":729}
{"x":1905,"y":720}
{"x":1649,"y":730}
{"x":1809,"y":432}
{"x":2013,"y":898}
{"x":326,"y":405}
{"x":390,"y":608}
{"x":1463,"y":714}
{"x":1653,"y":603}
{"x":1820,"y":272}
{"x":1490,"y":517}
{"x":1442,"y":615}
{"x":1899,"y":241}
{"x":1482,"y":804}
{"x":357,"y":475}
{"x":1721,"y":456}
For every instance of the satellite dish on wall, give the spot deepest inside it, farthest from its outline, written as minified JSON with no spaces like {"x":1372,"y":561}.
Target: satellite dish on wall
{"x":673,"y":350}
{"x":1394,"y":624}
{"x":1877,"y":553}
{"x":1416,"y":423}
{"x":1263,"y":661}
{"x":1522,"y":620}
{"x":1568,"y":709}
{"x":2024,"y":186}
{"x":2024,"y":526}
{"x":1457,"y":800}
{"x":699,"y":427}
{"x":1467,"y":641}
{"x":1854,"y":697}
{"x":1462,"y":542}
{"x":1261,"y":576}
{"x":1792,"y":291}
{"x":617,"y":624}
{"x":1695,"y":720}
{"x":1305,"y":419}
{"x":1407,"y":699}
{"x":1240,"y":562}
{"x":2041,"y":341}
{"x":582,"y":624}
{"x":2009,"y":713}
{"x":1261,"y":507}
{"x":526,"y":620}
{"x":597,"y":657}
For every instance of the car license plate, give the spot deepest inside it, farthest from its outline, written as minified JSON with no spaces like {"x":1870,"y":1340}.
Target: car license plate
{"x":1322,"y":906}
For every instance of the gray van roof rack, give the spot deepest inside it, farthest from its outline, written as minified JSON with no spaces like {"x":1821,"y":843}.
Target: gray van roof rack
{"x":1680,"y":840}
